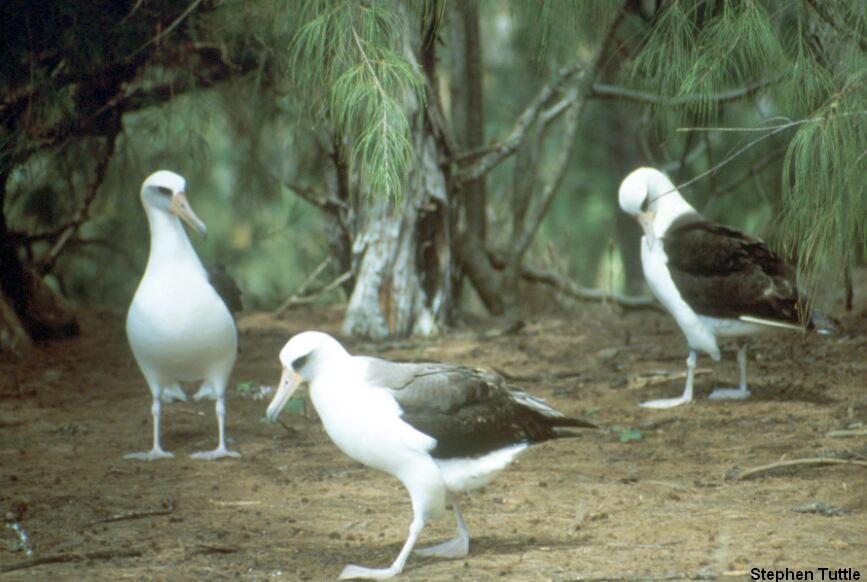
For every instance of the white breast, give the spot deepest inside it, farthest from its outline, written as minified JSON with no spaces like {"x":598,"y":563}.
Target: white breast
{"x":364,"y":422}
{"x":699,"y":336}
{"x":178,"y":327}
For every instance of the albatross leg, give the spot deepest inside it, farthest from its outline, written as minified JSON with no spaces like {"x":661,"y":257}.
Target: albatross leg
{"x":221,"y":450}
{"x":157,"y":451}
{"x":741,"y":393}
{"x":687,"y":391}
{"x":454,"y":548}
{"x":352,"y":572}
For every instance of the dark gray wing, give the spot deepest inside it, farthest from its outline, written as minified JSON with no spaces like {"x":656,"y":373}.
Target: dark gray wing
{"x":226,"y":288}
{"x":722,"y":272}
{"x":468,"y":411}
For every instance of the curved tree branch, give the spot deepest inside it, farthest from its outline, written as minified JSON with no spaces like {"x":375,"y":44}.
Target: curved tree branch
{"x":605,"y":91}
{"x":507,"y":146}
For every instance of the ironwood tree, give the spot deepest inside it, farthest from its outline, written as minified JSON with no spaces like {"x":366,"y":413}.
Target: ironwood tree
{"x":744,"y":95}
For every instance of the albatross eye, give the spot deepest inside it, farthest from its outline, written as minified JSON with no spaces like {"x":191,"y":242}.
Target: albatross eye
{"x":165,"y":190}
{"x":645,"y":204}
{"x":298,"y":363}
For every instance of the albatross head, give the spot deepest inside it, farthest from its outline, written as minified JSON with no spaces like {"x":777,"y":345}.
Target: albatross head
{"x":649,"y":196}
{"x":303,"y":358}
{"x":165,"y":191}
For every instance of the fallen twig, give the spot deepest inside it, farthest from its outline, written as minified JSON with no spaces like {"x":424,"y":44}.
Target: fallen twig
{"x":738,"y":476}
{"x":60,"y":558}
{"x":168,"y":507}
{"x":842,"y":434}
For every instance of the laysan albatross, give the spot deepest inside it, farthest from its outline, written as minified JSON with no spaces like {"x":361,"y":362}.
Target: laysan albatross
{"x":178,"y":326}
{"x":715,"y":281}
{"x":440,"y":429}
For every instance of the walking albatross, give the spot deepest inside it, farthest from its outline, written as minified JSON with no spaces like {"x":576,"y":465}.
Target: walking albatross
{"x":714,"y":280}
{"x":178,"y":326}
{"x":440,"y":429}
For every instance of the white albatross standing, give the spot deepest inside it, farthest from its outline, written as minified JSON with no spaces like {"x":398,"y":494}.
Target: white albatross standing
{"x":439,"y":429}
{"x":178,"y":326}
{"x":714,"y":280}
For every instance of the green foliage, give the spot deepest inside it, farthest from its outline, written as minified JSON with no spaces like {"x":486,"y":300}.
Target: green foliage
{"x":561,"y":28}
{"x":348,"y":58}
{"x":813,"y":57}
{"x":824,"y":192}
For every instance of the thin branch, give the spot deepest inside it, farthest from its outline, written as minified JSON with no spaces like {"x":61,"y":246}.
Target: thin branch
{"x":302,"y":289}
{"x":309,"y":194}
{"x":68,"y":231}
{"x":794,"y":463}
{"x":531,"y":227}
{"x":677,"y":165}
{"x":555,"y":111}
{"x":582,"y":95}
{"x":585,"y":293}
{"x":773,"y":130}
{"x":756,"y":168}
{"x":506,"y":147}
{"x":296,"y":300}
{"x":101,"y":119}
{"x":605,"y":91}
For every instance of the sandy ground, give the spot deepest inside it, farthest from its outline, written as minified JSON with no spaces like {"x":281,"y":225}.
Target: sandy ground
{"x":293,"y":507}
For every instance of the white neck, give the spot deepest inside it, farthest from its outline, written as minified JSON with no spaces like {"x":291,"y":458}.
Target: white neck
{"x":169,"y":241}
{"x":666,"y":201}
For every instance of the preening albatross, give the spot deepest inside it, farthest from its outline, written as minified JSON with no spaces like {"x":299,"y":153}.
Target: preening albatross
{"x":715,"y":281}
{"x":440,"y":429}
{"x":178,"y":326}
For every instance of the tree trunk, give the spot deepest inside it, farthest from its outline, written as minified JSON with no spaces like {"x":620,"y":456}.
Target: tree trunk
{"x":404,"y":272}
{"x":468,"y":116}
{"x":401,"y":250}
{"x":29,"y":309}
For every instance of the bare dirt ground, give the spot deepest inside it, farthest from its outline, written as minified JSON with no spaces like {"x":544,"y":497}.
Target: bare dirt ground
{"x":293,"y":507}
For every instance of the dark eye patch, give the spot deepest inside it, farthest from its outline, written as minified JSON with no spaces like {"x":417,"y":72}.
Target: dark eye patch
{"x":646,"y":204}
{"x":165,"y":190}
{"x":299,"y":363}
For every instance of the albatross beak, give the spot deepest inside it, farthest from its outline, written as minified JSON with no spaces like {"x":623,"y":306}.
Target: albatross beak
{"x":181,"y":207}
{"x":645,"y":219}
{"x":289,"y":382}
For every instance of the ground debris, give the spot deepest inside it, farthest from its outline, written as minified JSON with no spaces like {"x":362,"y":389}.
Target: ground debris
{"x":168,"y":505}
{"x":821,"y":508}
{"x":58,"y":558}
{"x":737,"y":474}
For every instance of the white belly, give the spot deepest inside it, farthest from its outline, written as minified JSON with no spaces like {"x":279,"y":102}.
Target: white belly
{"x":179,"y":329}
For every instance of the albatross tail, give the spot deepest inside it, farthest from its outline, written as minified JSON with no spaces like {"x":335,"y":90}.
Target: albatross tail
{"x":556,"y":421}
